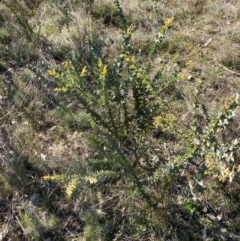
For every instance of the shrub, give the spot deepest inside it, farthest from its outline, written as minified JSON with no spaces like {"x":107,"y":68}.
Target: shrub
{"x":135,"y":170}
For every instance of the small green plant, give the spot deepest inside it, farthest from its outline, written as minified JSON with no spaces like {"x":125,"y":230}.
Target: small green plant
{"x":19,"y":11}
{"x":34,"y":223}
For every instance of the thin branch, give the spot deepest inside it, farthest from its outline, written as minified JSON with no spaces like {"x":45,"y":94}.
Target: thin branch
{"x":228,"y":70}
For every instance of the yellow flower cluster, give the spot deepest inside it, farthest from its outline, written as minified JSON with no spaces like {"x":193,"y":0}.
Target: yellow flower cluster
{"x":71,"y":186}
{"x":61,"y":89}
{"x":102,"y":69}
{"x":68,"y":77}
{"x":66,"y":64}
{"x":53,"y":73}
{"x":55,"y":177}
{"x":131,"y":28}
{"x":169,"y":22}
{"x":164,"y":122}
{"x":219,"y":168}
{"x":211,"y":160}
{"x":83,"y":72}
{"x":166,"y":25}
{"x":56,"y":75}
{"x":130,"y":60}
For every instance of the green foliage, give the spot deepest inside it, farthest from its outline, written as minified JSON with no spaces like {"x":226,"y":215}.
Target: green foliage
{"x":34,"y":223}
{"x":17,"y":8}
{"x":160,"y":36}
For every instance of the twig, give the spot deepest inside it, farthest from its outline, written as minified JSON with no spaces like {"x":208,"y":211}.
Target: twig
{"x":229,"y":70}
{"x":208,"y":42}
{"x":71,"y":234}
{"x":19,"y":222}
